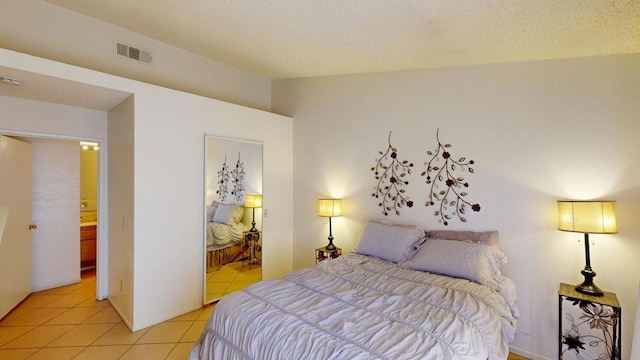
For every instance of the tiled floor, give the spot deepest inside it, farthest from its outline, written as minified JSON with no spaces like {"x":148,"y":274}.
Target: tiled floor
{"x":232,"y":277}
{"x":68,"y":323}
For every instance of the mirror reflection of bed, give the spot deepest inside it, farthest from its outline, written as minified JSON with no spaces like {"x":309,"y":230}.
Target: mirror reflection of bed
{"x":233,"y":245}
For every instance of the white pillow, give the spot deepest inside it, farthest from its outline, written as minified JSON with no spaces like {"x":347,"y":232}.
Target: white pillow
{"x":237,"y":214}
{"x":477,"y":262}
{"x":389,"y":242}
{"x":229,"y":214}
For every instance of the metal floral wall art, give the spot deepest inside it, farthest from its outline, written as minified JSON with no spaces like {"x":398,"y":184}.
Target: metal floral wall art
{"x":390,"y":173}
{"x":223,"y":180}
{"x":447,"y":191}
{"x":237,"y":175}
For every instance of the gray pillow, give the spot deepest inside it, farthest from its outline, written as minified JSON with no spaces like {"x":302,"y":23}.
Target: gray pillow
{"x":477,"y":262}
{"x":389,"y":242}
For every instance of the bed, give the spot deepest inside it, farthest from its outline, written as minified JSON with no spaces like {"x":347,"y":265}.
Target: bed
{"x":224,"y":232}
{"x":379,"y":302}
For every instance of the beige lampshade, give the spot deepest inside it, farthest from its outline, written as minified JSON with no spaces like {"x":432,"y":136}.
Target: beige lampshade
{"x":589,"y":217}
{"x":329,"y":207}
{"x":253,"y":201}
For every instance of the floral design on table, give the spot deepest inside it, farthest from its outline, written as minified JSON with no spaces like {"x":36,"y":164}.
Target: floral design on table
{"x":599,"y":318}
{"x":223,"y":180}
{"x":447,"y":186}
{"x":238,"y":180}
{"x":389,"y":168}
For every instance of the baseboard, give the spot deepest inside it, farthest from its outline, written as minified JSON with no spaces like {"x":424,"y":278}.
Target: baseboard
{"x":124,"y":318}
{"x":179,"y":313}
{"x":56,"y":285}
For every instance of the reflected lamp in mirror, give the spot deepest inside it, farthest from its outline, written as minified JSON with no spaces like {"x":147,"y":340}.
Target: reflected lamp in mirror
{"x":330,"y":208}
{"x":588,"y":217}
{"x":253,"y":201}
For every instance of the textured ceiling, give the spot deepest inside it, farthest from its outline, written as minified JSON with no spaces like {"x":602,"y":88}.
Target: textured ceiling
{"x":302,"y":38}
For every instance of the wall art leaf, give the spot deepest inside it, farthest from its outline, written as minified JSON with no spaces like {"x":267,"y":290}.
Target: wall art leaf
{"x":237,"y":176}
{"x":390,"y":175}
{"x":447,"y":186}
{"x":223,"y":181}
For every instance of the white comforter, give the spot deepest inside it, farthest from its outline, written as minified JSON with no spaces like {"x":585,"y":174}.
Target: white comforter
{"x":358,"y":307}
{"x":220,"y":236}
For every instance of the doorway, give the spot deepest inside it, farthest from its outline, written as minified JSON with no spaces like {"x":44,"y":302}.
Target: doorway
{"x":57,"y":259}
{"x":89,"y":152}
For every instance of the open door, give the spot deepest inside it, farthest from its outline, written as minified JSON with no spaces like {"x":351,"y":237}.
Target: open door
{"x":15,"y":222}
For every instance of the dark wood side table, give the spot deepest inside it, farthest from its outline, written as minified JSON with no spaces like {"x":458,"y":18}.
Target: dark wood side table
{"x":590,"y":327}
{"x":252,"y":244}
{"x":324,"y":254}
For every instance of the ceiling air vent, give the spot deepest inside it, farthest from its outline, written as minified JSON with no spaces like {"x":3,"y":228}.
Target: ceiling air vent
{"x":133,"y":53}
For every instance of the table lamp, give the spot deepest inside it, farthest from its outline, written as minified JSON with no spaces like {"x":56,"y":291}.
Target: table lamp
{"x":330,"y":208}
{"x":588,"y":217}
{"x":253,"y":201}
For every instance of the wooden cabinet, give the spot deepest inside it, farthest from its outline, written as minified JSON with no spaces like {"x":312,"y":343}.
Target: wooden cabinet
{"x":590,"y":326}
{"x":87,"y":246}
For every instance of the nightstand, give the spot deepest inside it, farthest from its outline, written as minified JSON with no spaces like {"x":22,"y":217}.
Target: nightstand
{"x":589,"y":326}
{"x":253,"y":245}
{"x":324,"y":254}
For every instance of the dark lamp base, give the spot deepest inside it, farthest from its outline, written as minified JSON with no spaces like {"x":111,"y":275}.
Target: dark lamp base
{"x":589,"y":289}
{"x":330,"y":246}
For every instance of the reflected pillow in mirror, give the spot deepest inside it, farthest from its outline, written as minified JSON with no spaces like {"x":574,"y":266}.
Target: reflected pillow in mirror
{"x":223,"y":214}
{"x":236,"y":215}
{"x":211,"y":210}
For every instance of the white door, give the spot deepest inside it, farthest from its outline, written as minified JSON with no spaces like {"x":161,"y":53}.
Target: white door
{"x":15,"y":214}
{"x":56,"y":210}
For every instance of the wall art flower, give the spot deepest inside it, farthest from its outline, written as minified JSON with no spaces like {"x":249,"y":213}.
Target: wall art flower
{"x":223,"y":181}
{"x":590,"y":331}
{"x":390,"y":173}
{"x":447,"y":190}
{"x":237,"y":176}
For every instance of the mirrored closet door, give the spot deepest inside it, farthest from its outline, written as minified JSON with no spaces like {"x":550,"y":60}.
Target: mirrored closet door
{"x":233,"y":216}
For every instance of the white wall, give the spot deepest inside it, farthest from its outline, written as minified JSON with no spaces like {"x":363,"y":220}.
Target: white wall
{"x":169,"y":192}
{"x":89,"y":178}
{"x":168,"y":157}
{"x":538,"y":132}
{"x":26,"y":116}
{"x":121,"y":261}
{"x":42,"y":29}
